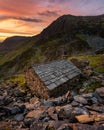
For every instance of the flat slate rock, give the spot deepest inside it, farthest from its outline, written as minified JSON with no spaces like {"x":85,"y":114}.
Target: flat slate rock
{"x":55,"y":73}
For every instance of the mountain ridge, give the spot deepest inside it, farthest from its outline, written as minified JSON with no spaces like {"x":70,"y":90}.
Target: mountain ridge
{"x":67,"y":35}
{"x":66,"y":23}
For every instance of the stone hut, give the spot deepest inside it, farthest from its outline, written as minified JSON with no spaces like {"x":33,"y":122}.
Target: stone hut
{"x":52,"y":79}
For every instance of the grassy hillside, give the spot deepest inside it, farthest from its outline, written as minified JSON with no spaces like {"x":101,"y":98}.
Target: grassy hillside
{"x":96,"y":61}
{"x":11,"y":43}
{"x":12,"y":54}
{"x":67,"y":35}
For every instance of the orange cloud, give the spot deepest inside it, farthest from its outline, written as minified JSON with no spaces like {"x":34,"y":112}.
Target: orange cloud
{"x":25,"y":17}
{"x":29,"y":17}
{"x":16,"y":26}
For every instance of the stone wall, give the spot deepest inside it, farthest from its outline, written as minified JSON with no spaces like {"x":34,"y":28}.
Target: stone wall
{"x":35,"y":85}
{"x":60,"y":90}
{"x":38,"y":88}
{"x":64,"y":88}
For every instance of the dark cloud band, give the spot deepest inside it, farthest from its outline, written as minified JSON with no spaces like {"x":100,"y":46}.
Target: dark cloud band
{"x":22,"y":18}
{"x":49,"y":13}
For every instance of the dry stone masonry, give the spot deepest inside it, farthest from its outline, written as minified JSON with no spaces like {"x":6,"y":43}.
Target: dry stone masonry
{"x":52,"y":78}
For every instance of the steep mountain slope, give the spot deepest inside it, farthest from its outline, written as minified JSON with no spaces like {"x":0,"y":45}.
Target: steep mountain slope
{"x":71,"y":25}
{"x":95,"y":42}
{"x":68,"y":35}
{"x":87,"y":28}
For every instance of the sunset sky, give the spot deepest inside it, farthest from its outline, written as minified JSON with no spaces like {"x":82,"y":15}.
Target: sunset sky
{"x":29,"y":17}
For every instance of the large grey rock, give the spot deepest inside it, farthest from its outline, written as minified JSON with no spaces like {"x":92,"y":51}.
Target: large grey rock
{"x":88,"y":95}
{"x":15,"y":110}
{"x":80,"y":99}
{"x":88,"y":127}
{"x":97,"y":96}
{"x":74,"y":104}
{"x":48,"y":103}
{"x":94,"y":100}
{"x":59,"y":101}
{"x":19,"y":117}
{"x":68,"y":110}
{"x":100,"y":91}
{"x":80,"y":111}
{"x":97,"y":108}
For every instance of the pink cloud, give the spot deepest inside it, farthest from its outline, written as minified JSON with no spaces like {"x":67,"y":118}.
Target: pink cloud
{"x":34,"y":15}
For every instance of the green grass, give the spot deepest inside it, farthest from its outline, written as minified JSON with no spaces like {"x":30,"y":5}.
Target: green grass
{"x":11,"y":55}
{"x":96,"y":61}
{"x":82,"y":37}
{"x":20,"y":79}
{"x":92,"y":87}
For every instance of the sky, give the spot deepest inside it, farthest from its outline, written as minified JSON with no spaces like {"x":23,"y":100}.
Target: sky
{"x":30,"y":17}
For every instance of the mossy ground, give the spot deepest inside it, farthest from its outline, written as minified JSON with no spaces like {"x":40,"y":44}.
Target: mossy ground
{"x":92,"y":87}
{"x":96,"y":61}
{"x":82,"y":37}
{"x":11,"y":55}
{"x":19,"y":79}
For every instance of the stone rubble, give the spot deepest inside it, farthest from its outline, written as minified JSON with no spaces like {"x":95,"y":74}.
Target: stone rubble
{"x":76,"y":110}
{"x":63,"y":113}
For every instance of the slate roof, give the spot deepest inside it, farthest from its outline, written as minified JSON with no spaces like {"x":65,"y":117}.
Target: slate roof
{"x":56,"y":73}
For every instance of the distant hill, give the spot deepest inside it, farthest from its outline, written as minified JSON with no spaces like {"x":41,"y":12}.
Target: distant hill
{"x":67,"y":35}
{"x":12,"y":43}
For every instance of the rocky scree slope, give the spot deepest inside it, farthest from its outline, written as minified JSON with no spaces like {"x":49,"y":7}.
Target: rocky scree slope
{"x":76,"y":110}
